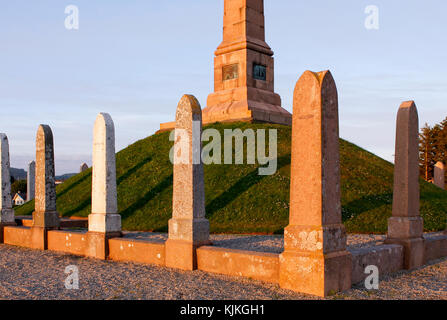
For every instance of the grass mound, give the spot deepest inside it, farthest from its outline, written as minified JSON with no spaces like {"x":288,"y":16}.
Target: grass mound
{"x":238,"y":200}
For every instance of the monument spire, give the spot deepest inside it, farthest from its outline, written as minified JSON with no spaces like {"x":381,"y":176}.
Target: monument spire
{"x":244,"y":23}
{"x":243,"y":70}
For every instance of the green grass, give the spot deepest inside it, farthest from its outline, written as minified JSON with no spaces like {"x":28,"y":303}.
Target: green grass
{"x":238,"y":199}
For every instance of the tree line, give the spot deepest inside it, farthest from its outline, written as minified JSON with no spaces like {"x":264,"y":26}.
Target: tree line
{"x":432,"y":148}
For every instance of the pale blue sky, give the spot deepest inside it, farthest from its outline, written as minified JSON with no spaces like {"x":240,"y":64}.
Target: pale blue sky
{"x":135,"y":58}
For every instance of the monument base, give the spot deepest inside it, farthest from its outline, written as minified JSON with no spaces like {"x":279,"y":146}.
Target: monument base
{"x":315,"y":273}
{"x":181,"y":254}
{"x":328,"y":238}
{"x":242,"y":104}
{"x":185,"y":236}
{"x":407,"y":232}
{"x":245,"y":104}
{"x":195,"y":230}
{"x":46,"y":219}
{"x":405,"y":227}
{"x":39,"y":238}
{"x":414,"y":251}
{"x":98,"y":244}
{"x":104,"y":223}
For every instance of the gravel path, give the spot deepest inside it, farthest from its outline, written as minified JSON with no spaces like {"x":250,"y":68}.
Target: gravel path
{"x":34,"y":274}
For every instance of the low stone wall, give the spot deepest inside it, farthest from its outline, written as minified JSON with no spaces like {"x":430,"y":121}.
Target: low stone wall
{"x":68,"y":242}
{"x":143,"y":251}
{"x":249,"y":264}
{"x":435,"y":247}
{"x":17,"y":236}
{"x":388,"y":258}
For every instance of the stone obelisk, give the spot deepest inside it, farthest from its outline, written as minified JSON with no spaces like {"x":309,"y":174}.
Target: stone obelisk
{"x":104,"y":222}
{"x":6,"y":212}
{"x":188,"y":228}
{"x":315,"y":259}
{"x":31,"y":181}
{"x":243,"y":70}
{"x":104,"y":217}
{"x":406,"y":226}
{"x":45,"y":215}
{"x":439,"y":175}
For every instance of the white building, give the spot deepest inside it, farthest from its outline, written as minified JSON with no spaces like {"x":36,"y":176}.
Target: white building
{"x":19,"y":199}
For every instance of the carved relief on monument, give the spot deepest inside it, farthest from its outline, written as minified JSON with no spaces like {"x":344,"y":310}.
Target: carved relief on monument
{"x":230,"y":72}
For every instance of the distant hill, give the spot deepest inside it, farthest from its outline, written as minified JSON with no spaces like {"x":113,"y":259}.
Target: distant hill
{"x":18,"y":174}
{"x":65,"y":176}
{"x":238,"y":200}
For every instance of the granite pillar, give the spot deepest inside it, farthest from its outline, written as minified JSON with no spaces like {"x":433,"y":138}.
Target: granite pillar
{"x":31,"y":184}
{"x":104,"y":222}
{"x":315,"y":260}
{"x":188,"y":228}
{"x":406,"y":226}
{"x":6,"y":211}
{"x":45,"y":215}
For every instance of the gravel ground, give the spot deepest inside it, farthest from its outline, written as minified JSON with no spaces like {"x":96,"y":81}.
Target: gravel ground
{"x":427,"y":283}
{"x":34,"y":274}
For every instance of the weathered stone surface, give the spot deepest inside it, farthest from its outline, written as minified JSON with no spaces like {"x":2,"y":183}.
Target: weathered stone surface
{"x":6,"y":211}
{"x":18,"y":236}
{"x":45,"y":214}
{"x":255,"y":265}
{"x":188,"y":228}
{"x":67,"y":241}
{"x":91,"y":244}
{"x":405,"y":227}
{"x":243,"y":70}
{"x":388,"y":258}
{"x":104,"y":217}
{"x":152,"y":252}
{"x":34,"y":237}
{"x":439,"y":175}
{"x":435,"y":247}
{"x":315,"y":259}
{"x":31,"y":181}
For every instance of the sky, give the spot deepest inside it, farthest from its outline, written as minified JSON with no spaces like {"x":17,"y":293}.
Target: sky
{"x":134,"y":59}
